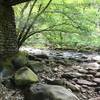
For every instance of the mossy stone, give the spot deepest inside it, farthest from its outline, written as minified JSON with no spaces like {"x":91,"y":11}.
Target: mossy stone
{"x":25,"y":76}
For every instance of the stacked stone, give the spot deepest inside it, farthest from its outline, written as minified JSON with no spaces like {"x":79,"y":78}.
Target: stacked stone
{"x":8,"y":37}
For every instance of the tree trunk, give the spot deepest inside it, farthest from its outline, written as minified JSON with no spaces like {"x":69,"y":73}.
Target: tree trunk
{"x":8,"y":37}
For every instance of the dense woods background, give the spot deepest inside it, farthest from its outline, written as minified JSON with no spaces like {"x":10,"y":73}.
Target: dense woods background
{"x":71,"y":24}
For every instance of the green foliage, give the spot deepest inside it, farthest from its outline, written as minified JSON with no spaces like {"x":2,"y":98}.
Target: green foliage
{"x":59,"y":24}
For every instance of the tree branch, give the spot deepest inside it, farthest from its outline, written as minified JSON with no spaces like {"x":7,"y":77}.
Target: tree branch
{"x":20,"y":41}
{"x":25,"y":26}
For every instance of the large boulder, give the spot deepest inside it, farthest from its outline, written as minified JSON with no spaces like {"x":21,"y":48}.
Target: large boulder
{"x":25,"y":76}
{"x":49,"y":92}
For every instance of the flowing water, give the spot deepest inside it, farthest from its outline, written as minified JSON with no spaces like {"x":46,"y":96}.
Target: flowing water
{"x":62,"y":54}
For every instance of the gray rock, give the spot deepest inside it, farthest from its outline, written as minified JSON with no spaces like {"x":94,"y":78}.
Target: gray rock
{"x":55,"y":81}
{"x":49,"y":92}
{"x":90,"y":71}
{"x":97,"y":89}
{"x":71,"y":75}
{"x":97,"y":74}
{"x":89,"y":77}
{"x":97,"y":98}
{"x":85,"y":82}
{"x":97,"y":80}
{"x":83,"y":71}
{"x":36,"y":66}
{"x":73,"y":87}
{"x":96,"y":58}
{"x":19,"y":62}
{"x":25,"y":76}
{"x":34,"y":56}
{"x":92,"y":66}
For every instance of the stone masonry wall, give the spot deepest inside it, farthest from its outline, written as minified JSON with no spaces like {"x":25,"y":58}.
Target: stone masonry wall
{"x":8,"y":37}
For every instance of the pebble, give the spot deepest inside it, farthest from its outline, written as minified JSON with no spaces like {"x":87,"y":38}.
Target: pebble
{"x":55,"y":69}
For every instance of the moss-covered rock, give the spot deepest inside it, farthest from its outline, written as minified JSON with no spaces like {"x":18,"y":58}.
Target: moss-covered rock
{"x":49,"y":92}
{"x":19,"y":60}
{"x":36,"y":66}
{"x":25,"y":76}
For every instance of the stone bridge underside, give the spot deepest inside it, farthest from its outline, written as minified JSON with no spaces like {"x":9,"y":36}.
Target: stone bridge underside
{"x":8,"y":37}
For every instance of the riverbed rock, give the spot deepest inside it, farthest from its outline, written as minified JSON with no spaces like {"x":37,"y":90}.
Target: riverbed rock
{"x":19,"y":62}
{"x":96,"y":58}
{"x":92,"y":66}
{"x":71,"y":75}
{"x":93,"y":72}
{"x":54,"y":81}
{"x":85,"y":82}
{"x":49,"y":92}
{"x":97,"y":89}
{"x":83,"y":71}
{"x":89,"y":77}
{"x":73,"y":87}
{"x":25,"y":76}
{"x":97,"y":74}
{"x":97,"y":98}
{"x":36,"y":66}
{"x":97,"y":80}
{"x":41,"y":55}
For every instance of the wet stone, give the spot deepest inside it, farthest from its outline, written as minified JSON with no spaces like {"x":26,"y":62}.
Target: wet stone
{"x":97,"y":74}
{"x":73,"y":87}
{"x":72,"y":75}
{"x":55,"y":69}
{"x":85,"y":86}
{"x":85,"y":82}
{"x":49,"y":92}
{"x":83,"y":90}
{"x":97,"y":98}
{"x":83,"y":71}
{"x":90,"y":71}
{"x":97,"y":89}
{"x":96,"y":58}
{"x":97,"y":80}
{"x":92,"y":66}
{"x":89,"y":76}
{"x":55,"y":81}
{"x":75,"y":67}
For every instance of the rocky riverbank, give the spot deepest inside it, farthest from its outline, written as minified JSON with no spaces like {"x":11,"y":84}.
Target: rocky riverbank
{"x":76,"y":72}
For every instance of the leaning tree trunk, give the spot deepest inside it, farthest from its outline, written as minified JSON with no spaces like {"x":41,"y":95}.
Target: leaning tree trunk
{"x":8,"y":37}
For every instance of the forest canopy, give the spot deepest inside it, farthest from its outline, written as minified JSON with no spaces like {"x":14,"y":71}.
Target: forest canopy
{"x":59,"y":23}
